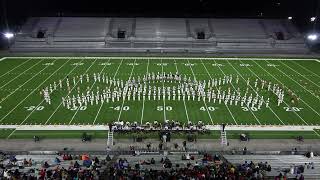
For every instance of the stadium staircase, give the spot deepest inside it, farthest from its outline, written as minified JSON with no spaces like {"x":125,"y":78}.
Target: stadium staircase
{"x":223,"y":136}
{"x":110,"y":139}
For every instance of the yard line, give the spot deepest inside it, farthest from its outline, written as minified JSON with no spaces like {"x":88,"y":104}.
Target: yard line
{"x":280,"y":83}
{"x":123,"y":98}
{"x":142,"y":111}
{"x":25,"y":97}
{"x":316,"y":132}
{"x":15,"y":67}
{"x":94,"y":121}
{"x":254,"y":89}
{"x":203,"y":100}
{"x":69,"y":93}
{"x":235,"y":90}
{"x":305,"y":68}
{"x":21,"y":74}
{"x":3,"y":58}
{"x":302,"y":87}
{"x":43,"y":83}
{"x":217,"y":89}
{"x":164,"y":98}
{"x":74,"y":115}
{"x":300,"y":74}
{"x":184,"y":101}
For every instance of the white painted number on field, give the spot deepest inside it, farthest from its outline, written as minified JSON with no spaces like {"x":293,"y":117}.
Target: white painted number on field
{"x":82,"y":108}
{"x":245,"y":65}
{"x":105,"y":64}
{"x":132,"y":64}
{"x":292,"y":109}
{"x":210,"y":108}
{"x":189,"y":64}
{"x":118,"y":108}
{"x":167,"y":108}
{"x":162,"y":64}
{"x":249,"y":108}
{"x":217,"y":64}
{"x":77,"y":64}
{"x":32,"y":108}
{"x":48,"y":64}
{"x":272,"y":65}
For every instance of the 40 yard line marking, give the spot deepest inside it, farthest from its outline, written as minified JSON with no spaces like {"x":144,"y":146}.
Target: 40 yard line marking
{"x":114,"y":76}
{"x":142,"y":111}
{"x":184,"y":101}
{"x":41,"y":85}
{"x":69,"y":92}
{"x":74,"y":115}
{"x":280,"y":83}
{"x":217,"y":89}
{"x":203,"y":100}
{"x":123,"y":98}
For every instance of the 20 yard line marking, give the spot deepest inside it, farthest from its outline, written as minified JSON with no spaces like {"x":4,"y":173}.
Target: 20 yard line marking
{"x":205,"y":104}
{"x":184,"y":101}
{"x":95,"y":118}
{"x":69,"y":93}
{"x":280,"y":83}
{"x":89,"y":90}
{"x":41,"y":85}
{"x":217,"y":89}
{"x":134,"y":65}
{"x":142,"y":111}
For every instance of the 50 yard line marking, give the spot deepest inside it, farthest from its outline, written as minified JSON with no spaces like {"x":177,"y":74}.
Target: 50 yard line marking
{"x":217,"y":89}
{"x":68,"y":93}
{"x":74,"y":115}
{"x":142,"y":111}
{"x":134,"y":64}
{"x":163,"y":96}
{"x":184,"y":101}
{"x":194,"y":76}
{"x":114,"y":76}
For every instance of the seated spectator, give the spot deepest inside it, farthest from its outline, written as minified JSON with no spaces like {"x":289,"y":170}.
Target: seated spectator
{"x":153,"y":161}
{"x":108,"y":158}
{"x":76,"y":165}
{"x":57,"y":161}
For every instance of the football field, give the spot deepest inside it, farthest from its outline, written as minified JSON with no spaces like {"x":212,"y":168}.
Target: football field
{"x":23,"y":79}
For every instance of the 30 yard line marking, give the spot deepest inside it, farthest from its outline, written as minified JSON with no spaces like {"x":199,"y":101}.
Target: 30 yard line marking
{"x":217,"y":89}
{"x":123,"y":99}
{"x":184,"y":101}
{"x":280,"y":83}
{"x":303,"y":88}
{"x":24,"y":98}
{"x":41,"y":85}
{"x":69,"y":93}
{"x":205,"y":104}
{"x":142,"y":110}
{"x":21,"y":74}
{"x":114,"y":76}
{"x":163,"y":96}
{"x":15,"y":67}
{"x":254,"y":89}
{"x":306,"y":69}
{"x":74,"y":115}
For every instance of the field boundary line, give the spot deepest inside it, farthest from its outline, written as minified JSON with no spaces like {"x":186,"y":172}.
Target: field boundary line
{"x":142,"y":110}
{"x":26,"y":96}
{"x":3,"y":58}
{"x":159,"y":57}
{"x":69,"y":92}
{"x":114,"y":76}
{"x":89,"y":90}
{"x":217,"y":89}
{"x":280,"y":83}
{"x":254,"y":89}
{"x":41,"y":84}
{"x":184,"y":101}
{"x":123,"y":98}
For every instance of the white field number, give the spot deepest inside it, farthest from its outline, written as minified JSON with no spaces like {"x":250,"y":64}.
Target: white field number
{"x":32,"y":108}
{"x":245,"y":65}
{"x":189,"y":64}
{"x":167,"y":108}
{"x":272,"y":65}
{"x":81,"y":108}
{"x":249,"y":108}
{"x":292,"y":109}
{"x":105,"y":64}
{"x":217,"y":64}
{"x":118,"y":108}
{"x":162,"y":64}
{"x":210,"y":108}
{"x":77,"y":64}
{"x":132,"y":64}
{"x":48,"y":64}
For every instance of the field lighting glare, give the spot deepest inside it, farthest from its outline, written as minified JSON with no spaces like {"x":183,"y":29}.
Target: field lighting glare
{"x":312,"y":37}
{"x":312,"y":19}
{"x":290,"y":18}
{"x":8,"y":35}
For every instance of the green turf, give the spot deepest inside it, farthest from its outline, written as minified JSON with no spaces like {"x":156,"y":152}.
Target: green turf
{"x":22,"y":79}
